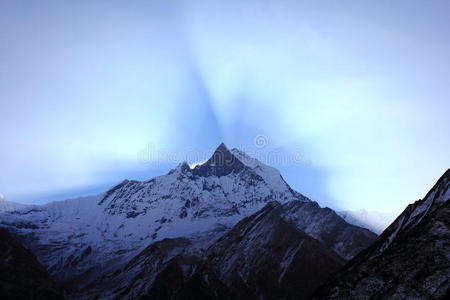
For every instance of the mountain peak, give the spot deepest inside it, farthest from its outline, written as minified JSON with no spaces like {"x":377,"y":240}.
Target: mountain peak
{"x":221,"y":163}
{"x":221,"y":156}
{"x":222,"y":147}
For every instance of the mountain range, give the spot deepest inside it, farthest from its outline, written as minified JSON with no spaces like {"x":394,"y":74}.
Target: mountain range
{"x":228,"y":228}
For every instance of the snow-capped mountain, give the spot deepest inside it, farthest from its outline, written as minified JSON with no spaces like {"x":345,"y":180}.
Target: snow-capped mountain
{"x":222,"y":188}
{"x":86,"y":236}
{"x":373,"y":220}
{"x":117,"y":244}
{"x":409,"y":260}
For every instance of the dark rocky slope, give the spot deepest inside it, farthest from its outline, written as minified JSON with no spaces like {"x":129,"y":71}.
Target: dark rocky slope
{"x":262,"y":257}
{"x":327,"y":226}
{"x":21,"y":275}
{"x":410,"y":260}
{"x":283,"y":250}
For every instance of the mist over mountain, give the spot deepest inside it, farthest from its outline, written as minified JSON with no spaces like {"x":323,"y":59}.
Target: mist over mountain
{"x":372,"y":220}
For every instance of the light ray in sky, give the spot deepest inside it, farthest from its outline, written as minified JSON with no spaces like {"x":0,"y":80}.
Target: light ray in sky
{"x":360,"y":88}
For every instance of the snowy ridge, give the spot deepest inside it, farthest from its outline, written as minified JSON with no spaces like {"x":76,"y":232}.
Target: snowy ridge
{"x":415,"y":212}
{"x":409,"y":260}
{"x":268,"y":173}
{"x":9,"y":206}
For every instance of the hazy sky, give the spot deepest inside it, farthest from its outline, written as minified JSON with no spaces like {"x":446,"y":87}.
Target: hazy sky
{"x":351,"y":97}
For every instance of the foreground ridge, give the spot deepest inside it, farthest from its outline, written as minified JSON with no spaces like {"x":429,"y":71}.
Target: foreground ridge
{"x":21,"y":275}
{"x":410,"y":260}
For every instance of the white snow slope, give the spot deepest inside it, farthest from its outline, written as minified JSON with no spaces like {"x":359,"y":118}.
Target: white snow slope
{"x":7,"y":206}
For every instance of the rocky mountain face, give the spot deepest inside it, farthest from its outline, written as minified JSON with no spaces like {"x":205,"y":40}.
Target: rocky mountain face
{"x":328,"y":227}
{"x":268,"y":255}
{"x":137,"y":276}
{"x":120,"y":244}
{"x":409,"y":260}
{"x":21,"y":275}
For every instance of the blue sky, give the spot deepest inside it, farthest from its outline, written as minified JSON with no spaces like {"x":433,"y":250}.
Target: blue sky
{"x":358,"y":89}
